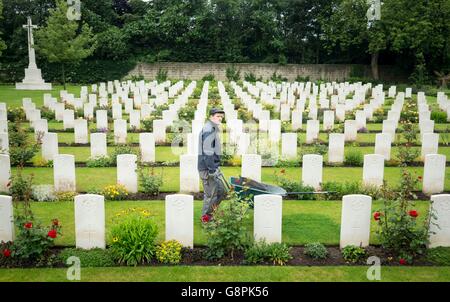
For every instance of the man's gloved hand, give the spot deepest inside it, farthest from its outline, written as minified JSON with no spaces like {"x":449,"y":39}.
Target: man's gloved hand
{"x":216,"y":174}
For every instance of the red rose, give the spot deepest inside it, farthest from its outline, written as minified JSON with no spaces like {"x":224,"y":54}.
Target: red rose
{"x":55,"y":222}
{"x":28,"y":225}
{"x":206,"y":218}
{"x":376,"y":216}
{"x":413,"y":213}
{"x":402,"y":261}
{"x":52,"y":234}
{"x":6,"y":253}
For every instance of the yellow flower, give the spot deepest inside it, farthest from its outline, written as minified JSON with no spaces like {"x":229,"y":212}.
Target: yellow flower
{"x":115,"y":239}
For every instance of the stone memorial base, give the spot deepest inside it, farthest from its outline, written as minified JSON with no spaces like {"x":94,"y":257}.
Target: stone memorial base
{"x":33,"y":81}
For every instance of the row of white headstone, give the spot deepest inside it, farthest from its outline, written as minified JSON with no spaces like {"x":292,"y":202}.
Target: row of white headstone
{"x":312,"y":171}
{"x":179,"y":220}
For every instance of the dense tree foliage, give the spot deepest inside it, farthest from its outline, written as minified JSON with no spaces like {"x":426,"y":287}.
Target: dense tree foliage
{"x":414,"y":35}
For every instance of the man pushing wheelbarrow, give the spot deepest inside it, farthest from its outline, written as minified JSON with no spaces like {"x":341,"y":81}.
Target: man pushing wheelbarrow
{"x":208,"y":164}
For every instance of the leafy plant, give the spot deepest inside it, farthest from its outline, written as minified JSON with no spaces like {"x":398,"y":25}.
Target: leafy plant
{"x":88,"y":258}
{"x":354,"y":158}
{"x":161,"y":76}
{"x":293,"y":186}
{"x":122,"y":149}
{"x":439,"y":116}
{"x":115,"y":192}
{"x":20,"y":186}
{"x":65,"y":196}
{"x":208,"y":77}
{"x":262,"y":252}
{"x":133,"y":236}
{"x":226,"y":233}
{"x":150,"y":182}
{"x":398,"y":229}
{"x":169,"y":252}
{"x":21,"y":148}
{"x":316,"y":250}
{"x":353,"y":254}
{"x":43,"y":193}
{"x":232,"y":73}
{"x":33,"y":241}
{"x":99,"y":161}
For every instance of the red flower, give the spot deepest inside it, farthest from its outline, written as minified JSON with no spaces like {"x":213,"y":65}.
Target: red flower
{"x":55,"y":222}
{"x":6,"y":253}
{"x":52,"y":234}
{"x":206,"y":218}
{"x":376,"y":216}
{"x":413,"y":213}
{"x":28,"y":225}
{"x":419,"y":178}
{"x":402,"y":261}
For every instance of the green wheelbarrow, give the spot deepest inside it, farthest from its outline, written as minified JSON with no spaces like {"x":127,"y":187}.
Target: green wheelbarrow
{"x":247,"y":188}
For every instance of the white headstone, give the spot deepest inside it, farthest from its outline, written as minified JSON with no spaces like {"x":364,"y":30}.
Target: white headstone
{"x":68,"y":119}
{"x":189,"y":176}
{"x":159,"y":131}
{"x":274,"y":131}
{"x":135,"y":119}
{"x":64,"y":173}
{"x":350,"y":130}
{"x":434,"y":173}
{"x":296,"y":120}
{"x":6,"y":219}
{"x":81,"y":131}
{"x":50,"y":146}
{"x":4,"y":143}
{"x":5,"y":172}
{"x":328,"y":120}
{"x":90,"y":221}
{"x":383,"y":145}
{"x":289,"y":145}
{"x":312,"y":170}
{"x":251,"y":166}
{"x":440,"y":223}
{"x":147,"y":147}
{"x":373,"y":170}
{"x":3,"y":126}
{"x":101,"y":119}
{"x":98,"y":145}
{"x":389,"y":128}
{"x":120,"y":131}
{"x":336,"y":144}
{"x":268,"y":218}
{"x":430,"y":144}
{"x":126,"y":172}
{"x":312,"y":131}
{"x":180,"y":219}
{"x":355,"y":220}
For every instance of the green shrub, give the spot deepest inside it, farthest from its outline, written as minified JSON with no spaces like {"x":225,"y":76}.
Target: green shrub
{"x":439,"y":116}
{"x":354,"y":158}
{"x":16,"y":114}
{"x":21,"y":147}
{"x":262,"y":252}
{"x":150,"y":182}
{"x":115,"y":192}
{"x":316,"y":250}
{"x":88,"y":258}
{"x":293,"y":186}
{"x":208,"y":77}
{"x":353,"y":254}
{"x":251,"y":77}
{"x":340,"y":189}
{"x":147,"y":123}
{"x":169,"y":252}
{"x":277,"y":77}
{"x":122,"y":149}
{"x":232,"y":73}
{"x":100,"y":161}
{"x":133,"y":237}
{"x":226,"y":233}
{"x":47,"y":114}
{"x":20,"y":186}
{"x":439,"y":256}
{"x":161,"y":76}
{"x":299,"y":78}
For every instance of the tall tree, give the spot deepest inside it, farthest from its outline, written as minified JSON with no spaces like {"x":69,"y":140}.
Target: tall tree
{"x":2,"y":43}
{"x":59,"y":41}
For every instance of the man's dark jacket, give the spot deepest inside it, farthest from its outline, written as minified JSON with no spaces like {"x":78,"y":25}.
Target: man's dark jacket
{"x":209,"y":148}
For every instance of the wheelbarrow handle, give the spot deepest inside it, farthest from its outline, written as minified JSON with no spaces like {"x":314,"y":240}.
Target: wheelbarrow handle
{"x":322,"y":192}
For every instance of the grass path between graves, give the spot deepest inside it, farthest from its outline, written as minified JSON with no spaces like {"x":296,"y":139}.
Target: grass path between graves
{"x":230,"y":274}
{"x":303,"y":221}
{"x":97,"y":178}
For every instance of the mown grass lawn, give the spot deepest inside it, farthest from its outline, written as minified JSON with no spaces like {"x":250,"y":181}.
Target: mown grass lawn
{"x":97,"y":178}
{"x":303,"y":221}
{"x":230,"y":274}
